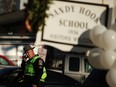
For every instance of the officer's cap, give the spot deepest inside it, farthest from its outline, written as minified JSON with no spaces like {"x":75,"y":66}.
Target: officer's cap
{"x":28,"y":47}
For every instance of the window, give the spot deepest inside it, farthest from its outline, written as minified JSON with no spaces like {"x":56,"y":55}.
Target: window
{"x":87,"y":66}
{"x":54,"y":59}
{"x":56,"y":64}
{"x":3,"y":61}
{"x":74,"y":64}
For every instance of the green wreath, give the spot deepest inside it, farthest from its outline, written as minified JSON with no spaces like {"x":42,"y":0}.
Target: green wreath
{"x":36,"y":13}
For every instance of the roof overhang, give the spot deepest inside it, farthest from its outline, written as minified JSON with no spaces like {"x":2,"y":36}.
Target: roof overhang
{"x":12,"y":17}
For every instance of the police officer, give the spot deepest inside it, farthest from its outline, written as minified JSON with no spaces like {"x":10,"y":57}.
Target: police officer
{"x":33,"y":68}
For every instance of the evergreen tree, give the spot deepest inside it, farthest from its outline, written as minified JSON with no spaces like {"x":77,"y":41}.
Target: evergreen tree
{"x":36,"y":14}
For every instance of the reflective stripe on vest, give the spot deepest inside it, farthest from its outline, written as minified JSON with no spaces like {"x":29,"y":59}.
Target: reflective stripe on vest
{"x":44,"y":75}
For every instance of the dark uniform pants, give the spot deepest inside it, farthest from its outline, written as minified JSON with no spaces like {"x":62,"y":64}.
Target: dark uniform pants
{"x":27,"y":81}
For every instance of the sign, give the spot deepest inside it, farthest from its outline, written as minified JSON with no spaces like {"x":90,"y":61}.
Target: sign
{"x":69,"y":23}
